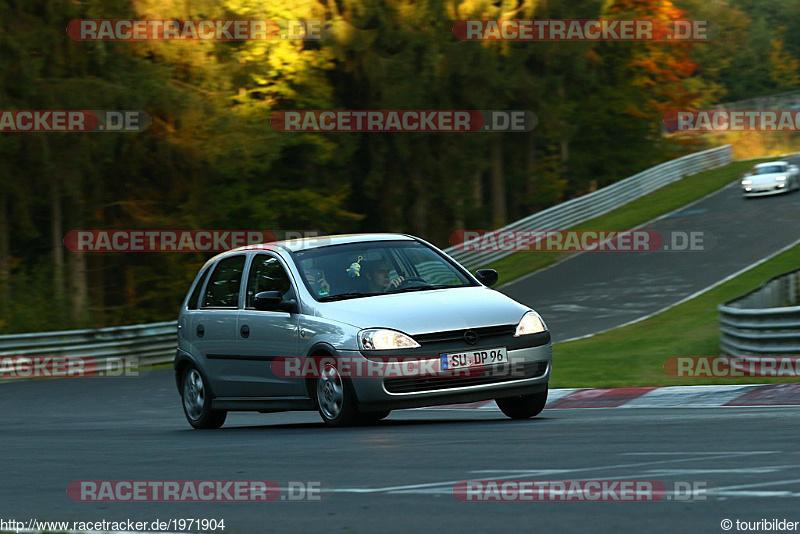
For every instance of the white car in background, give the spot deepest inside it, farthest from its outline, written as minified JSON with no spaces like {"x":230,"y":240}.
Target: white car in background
{"x":770,"y":179}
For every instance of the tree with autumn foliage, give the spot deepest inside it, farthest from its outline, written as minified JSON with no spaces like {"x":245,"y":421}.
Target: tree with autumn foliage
{"x":211,"y":159}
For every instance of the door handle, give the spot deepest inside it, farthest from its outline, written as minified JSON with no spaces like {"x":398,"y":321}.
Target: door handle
{"x":245,"y":331}
{"x":201,"y":330}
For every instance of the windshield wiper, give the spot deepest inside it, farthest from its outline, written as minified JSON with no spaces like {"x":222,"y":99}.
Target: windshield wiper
{"x":421,"y":288}
{"x":343,"y":296}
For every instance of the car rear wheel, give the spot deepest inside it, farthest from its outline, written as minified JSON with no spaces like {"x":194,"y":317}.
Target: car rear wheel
{"x":335,"y":397}
{"x":523,"y":406}
{"x":197,"y":401}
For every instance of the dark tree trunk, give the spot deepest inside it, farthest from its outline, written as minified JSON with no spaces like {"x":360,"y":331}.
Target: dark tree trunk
{"x":498,"y":184}
{"x":530,"y":165}
{"x":5,"y":259}
{"x":477,"y":189}
{"x":79,"y":288}
{"x":57,"y":236}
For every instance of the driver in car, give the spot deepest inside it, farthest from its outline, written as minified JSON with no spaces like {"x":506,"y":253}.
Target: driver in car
{"x":377,"y":275}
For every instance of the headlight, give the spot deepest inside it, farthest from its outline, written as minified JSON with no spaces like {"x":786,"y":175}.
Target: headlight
{"x":382,"y":339}
{"x":531,"y":323}
{"x":780,"y":178}
{"x":747,"y":182}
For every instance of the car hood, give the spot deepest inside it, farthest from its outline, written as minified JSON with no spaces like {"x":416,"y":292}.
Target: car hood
{"x":420,"y":312}
{"x":764,"y":179}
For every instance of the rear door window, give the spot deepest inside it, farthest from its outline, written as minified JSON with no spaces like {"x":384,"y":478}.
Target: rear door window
{"x":223,"y":286}
{"x":195,"y":296}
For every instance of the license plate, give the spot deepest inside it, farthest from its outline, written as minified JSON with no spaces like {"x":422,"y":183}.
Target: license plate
{"x":473,"y":358}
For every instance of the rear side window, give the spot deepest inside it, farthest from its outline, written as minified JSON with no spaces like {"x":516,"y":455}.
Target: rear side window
{"x":223,"y":286}
{"x":201,"y":279}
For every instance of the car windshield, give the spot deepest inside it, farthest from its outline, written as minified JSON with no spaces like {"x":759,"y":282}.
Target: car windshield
{"x":372,"y":268}
{"x":769,"y":169}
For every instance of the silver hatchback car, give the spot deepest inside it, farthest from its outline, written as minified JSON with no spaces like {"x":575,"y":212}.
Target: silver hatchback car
{"x":353,"y":326}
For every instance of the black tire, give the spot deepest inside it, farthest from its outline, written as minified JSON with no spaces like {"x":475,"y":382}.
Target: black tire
{"x":335,"y":398}
{"x":523,"y":406}
{"x":196,"y":401}
{"x":370,"y":418}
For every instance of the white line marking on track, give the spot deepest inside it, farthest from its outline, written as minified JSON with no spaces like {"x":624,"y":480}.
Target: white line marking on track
{"x":737,"y":470}
{"x":772,"y":494}
{"x":760,"y":484}
{"x":693,"y":295}
{"x":515,"y":473}
{"x":694,"y":452}
{"x":532,"y":472}
{"x":651,"y":221}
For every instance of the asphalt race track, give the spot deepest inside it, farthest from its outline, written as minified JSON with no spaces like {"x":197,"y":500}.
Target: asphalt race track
{"x":399,"y":475}
{"x":595,"y":291}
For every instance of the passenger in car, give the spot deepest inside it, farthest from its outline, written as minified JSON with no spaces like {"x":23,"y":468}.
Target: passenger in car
{"x":319,"y":284}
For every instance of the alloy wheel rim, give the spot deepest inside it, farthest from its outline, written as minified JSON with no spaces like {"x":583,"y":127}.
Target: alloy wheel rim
{"x":194,"y":394}
{"x":330,"y":392}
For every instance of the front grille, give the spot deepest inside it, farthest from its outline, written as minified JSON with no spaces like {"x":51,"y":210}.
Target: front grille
{"x":432,"y":383}
{"x":484,"y":333}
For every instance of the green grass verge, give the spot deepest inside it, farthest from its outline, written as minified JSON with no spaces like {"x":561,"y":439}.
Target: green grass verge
{"x":640,"y":211}
{"x":635,"y":355}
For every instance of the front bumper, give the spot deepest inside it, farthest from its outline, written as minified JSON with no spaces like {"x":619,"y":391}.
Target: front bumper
{"x":528,"y":372}
{"x":765,"y":190}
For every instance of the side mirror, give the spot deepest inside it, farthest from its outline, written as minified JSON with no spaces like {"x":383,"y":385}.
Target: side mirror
{"x":273,"y":301}
{"x":268,"y":300}
{"x":289,"y":306}
{"x":487,"y":277}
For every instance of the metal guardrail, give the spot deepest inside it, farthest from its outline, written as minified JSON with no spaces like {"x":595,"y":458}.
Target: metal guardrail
{"x":589,"y":206}
{"x":789,"y":100}
{"x":765,"y":321}
{"x":149,"y":344}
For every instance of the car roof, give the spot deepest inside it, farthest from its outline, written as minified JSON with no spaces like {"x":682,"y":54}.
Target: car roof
{"x":770,"y":163}
{"x":294,"y":245}
{"x":322,"y":241}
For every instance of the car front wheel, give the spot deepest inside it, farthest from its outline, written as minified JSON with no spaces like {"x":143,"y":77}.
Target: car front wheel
{"x":335,"y":397}
{"x":197,"y":401}
{"x":523,"y":406}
